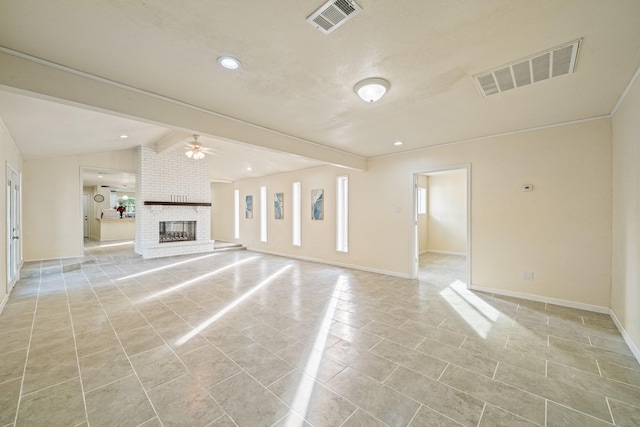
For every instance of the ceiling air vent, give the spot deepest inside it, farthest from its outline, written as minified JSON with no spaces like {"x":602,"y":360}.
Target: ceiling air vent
{"x":551,"y":63}
{"x":332,"y":14}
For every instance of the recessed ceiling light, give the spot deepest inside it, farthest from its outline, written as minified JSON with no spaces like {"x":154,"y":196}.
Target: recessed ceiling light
{"x":124,"y":136}
{"x":229,"y":62}
{"x":100,"y":176}
{"x":248,"y":168}
{"x":398,"y":143}
{"x":371,"y":90}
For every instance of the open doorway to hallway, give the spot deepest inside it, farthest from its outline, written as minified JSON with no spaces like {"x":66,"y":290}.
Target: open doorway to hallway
{"x":442,"y":226}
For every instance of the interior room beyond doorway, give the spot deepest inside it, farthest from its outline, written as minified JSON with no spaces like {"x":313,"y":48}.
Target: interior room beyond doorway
{"x":442,"y":225}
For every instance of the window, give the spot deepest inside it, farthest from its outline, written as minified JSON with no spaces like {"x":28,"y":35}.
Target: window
{"x":236,"y":214}
{"x":295,"y":215}
{"x":263,"y":214}
{"x":342,"y":214}
{"x":422,"y":201}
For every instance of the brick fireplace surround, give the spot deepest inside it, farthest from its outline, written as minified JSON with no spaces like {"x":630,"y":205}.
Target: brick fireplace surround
{"x":166,"y":177}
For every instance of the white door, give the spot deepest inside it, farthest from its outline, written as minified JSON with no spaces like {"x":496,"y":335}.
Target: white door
{"x":13,"y":227}
{"x":85,"y":213}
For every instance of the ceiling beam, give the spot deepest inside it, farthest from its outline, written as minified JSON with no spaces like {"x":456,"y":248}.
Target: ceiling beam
{"x":28,"y":75}
{"x":170,"y":140}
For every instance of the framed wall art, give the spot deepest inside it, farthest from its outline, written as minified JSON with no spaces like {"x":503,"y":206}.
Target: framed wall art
{"x":278,"y":205}
{"x":248,"y":212}
{"x":317,"y":205}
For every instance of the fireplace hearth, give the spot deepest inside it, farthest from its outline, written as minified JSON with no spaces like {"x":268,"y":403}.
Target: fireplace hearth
{"x":177,"y":231}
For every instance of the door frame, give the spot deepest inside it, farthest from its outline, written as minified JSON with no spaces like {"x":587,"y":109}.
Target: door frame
{"x":86,"y":214}
{"x":13,"y":212}
{"x":415,"y":238}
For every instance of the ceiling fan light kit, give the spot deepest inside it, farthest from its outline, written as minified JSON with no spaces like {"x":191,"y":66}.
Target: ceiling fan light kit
{"x":196,"y":155}
{"x":195,"y":149}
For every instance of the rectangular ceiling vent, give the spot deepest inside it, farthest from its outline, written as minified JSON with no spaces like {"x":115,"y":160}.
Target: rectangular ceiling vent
{"x":332,"y":14}
{"x":545,"y":65}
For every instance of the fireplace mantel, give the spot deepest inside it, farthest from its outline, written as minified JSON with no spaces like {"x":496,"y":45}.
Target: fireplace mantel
{"x":150,"y":203}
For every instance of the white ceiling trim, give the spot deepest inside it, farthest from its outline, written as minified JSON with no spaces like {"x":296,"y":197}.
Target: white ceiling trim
{"x":15,"y":147}
{"x":626,"y":91}
{"x":480,"y":138}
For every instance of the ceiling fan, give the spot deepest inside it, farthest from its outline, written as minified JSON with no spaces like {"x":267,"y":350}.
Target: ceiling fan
{"x":195,"y":150}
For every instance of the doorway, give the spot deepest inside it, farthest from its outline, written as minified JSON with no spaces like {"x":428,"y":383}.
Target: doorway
{"x":103,"y":190}
{"x":14,"y":249}
{"x":442,"y":225}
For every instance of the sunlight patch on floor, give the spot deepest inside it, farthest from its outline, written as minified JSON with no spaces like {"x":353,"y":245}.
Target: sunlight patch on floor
{"x":165,"y":267}
{"x":306,"y":385}
{"x":110,"y":245}
{"x":230,"y":306}
{"x":473,"y":310}
{"x":194,"y":280}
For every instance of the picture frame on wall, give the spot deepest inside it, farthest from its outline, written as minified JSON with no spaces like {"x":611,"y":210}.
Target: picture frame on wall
{"x":248,"y":212}
{"x":317,"y":205}
{"x":278,"y":206}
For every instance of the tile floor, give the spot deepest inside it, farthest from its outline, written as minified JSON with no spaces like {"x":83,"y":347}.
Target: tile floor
{"x":247,"y":339}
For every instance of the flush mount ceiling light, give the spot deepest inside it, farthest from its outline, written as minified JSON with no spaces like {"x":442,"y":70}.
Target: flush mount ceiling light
{"x":371,"y":90}
{"x":398,"y":143}
{"x":124,"y":136}
{"x":229,"y":62}
{"x":194,"y":150}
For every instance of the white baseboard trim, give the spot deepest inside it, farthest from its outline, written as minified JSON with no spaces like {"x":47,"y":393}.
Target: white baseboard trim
{"x":334,"y":263}
{"x":627,"y":338}
{"x":434,"y":251}
{"x":548,"y":300}
{"x":4,"y":302}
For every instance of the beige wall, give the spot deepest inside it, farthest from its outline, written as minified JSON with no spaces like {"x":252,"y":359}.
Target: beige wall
{"x":10,"y":156}
{"x":318,"y":237}
{"x":625,"y":292}
{"x":52,"y":202}
{"x":447,"y":210}
{"x":222,"y":212}
{"x":561,"y":231}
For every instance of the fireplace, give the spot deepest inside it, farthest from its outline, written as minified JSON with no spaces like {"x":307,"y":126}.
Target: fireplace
{"x":159,"y":178}
{"x":177,"y":231}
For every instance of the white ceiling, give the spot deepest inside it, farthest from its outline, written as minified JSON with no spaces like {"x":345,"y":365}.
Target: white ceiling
{"x":298,"y":81}
{"x":44,"y":129}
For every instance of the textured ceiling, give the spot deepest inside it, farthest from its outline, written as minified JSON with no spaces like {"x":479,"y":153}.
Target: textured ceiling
{"x":298,"y":81}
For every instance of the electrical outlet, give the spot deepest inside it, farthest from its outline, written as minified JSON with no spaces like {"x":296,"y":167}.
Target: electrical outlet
{"x":527,"y":275}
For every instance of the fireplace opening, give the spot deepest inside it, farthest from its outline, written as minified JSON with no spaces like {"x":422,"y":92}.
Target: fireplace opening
{"x":177,"y":231}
